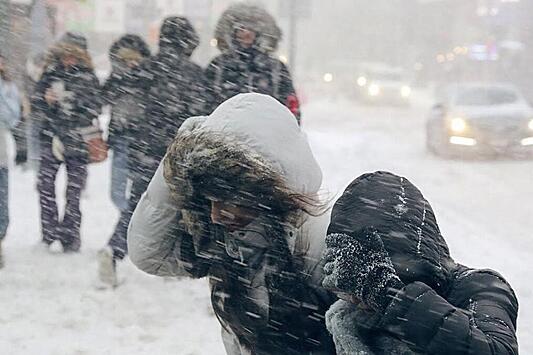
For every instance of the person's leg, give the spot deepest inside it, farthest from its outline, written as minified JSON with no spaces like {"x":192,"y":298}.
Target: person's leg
{"x":117,"y":247}
{"x":118,"y":242}
{"x":46,"y":177}
{"x":119,"y":175}
{"x":4,"y":208}
{"x":34,"y":144}
{"x":76,"y":179}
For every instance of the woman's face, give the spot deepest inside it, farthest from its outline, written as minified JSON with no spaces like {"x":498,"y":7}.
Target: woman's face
{"x":69,"y":61}
{"x":245,"y":37}
{"x":231,"y":216}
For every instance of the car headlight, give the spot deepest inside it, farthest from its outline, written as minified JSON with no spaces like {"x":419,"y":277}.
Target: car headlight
{"x":530,"y":125}
{"x":361,"y":81}
{"x":406,"y":91}
{"x":328,"y":77}
{"x":458,"y":125}
{"x":374,"y":90}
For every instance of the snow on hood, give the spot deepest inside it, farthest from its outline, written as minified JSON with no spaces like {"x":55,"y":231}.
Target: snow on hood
{"x":405,"y":220}
{"x":264,"y":125}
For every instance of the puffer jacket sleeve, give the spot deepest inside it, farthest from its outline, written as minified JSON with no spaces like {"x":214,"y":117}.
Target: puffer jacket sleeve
{"x":156,"y":243}
{"x":287,"y":93}
{"x":484,"y":323}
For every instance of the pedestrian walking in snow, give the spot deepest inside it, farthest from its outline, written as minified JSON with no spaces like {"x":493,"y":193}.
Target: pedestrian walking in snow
{"x":401,"y":291}
{"x":122,"y":92}
{"x":235,"y":200}
{"x":171,"y":90}
{"x":10,"y":111}
{"x":247,"y":35}
{"x":68,"y":98}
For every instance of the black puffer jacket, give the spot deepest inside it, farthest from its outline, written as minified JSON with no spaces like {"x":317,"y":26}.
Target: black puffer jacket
{"x":173,"y":90}
{"x":79,"y":102}
{"x":445,"y":308}
{"x":122,"y":90}
{"x":249,"y":70}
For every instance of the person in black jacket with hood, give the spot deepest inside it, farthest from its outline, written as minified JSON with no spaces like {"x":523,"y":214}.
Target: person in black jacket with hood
{"x":401,"y":292}
{"x":122,"y":92}
{"x":172,"y":90}
{"x":247,"y":35}
{"x":68,"y":98}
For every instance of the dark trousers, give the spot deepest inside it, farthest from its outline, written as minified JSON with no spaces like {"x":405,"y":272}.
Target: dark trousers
{"x":140,"y":177}
{"x":66,"y":229}
{"x":4,"y":202}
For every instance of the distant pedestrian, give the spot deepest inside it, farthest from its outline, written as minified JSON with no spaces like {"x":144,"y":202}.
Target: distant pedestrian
{"x":68,"y":98}
{"x":122,"y":92}
{"x":247,"y":36}
{"x":10,"y":112}
{"x":171,"y":90}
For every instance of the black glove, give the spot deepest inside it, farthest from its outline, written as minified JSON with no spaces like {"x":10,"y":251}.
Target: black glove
{"x":359,"y":265}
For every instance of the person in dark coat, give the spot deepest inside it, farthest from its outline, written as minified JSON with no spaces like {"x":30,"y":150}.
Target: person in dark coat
{"x":401,"y":292}
{"x":68,"y":97}
{"x":122,"y":93}
{"x":247,"y":36}
{"x":171,"y":88}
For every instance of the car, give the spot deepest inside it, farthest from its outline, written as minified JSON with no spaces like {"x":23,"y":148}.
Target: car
{"x":382,"y":84}
{"x":480,"y":119}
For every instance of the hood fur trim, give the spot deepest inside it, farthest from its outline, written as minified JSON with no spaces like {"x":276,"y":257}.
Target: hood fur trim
{"x":202,"y":164}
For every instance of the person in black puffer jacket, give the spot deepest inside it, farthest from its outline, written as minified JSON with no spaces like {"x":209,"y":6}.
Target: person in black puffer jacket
{"x":247,"y":35}
{"x":401,"y":292}
{"x":122,"y":93}
{"x":171,"y":90}
{"x":68,"y":98}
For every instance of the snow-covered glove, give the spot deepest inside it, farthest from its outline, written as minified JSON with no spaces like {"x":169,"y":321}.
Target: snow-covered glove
{"x":359,"y":265}
{"x":58,"y":149}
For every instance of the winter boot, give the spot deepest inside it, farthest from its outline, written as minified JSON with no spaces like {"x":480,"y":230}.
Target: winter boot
{"x":107,"y":268}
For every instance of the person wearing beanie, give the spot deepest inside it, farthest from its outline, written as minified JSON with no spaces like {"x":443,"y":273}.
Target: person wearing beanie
{"x":247,"y":35}
{"x":121,"y":93}
{"x":171,"y":89}
{"x":67,"y":99}
{"x":400,"y":290}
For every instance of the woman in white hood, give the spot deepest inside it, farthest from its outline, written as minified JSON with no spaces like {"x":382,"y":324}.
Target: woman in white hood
{"x":236,"y":200}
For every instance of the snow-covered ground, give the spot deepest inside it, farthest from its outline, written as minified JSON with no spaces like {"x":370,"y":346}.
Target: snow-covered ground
{"x":48,"y":304}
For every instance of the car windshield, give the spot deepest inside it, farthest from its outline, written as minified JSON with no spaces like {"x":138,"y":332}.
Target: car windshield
{"x":486,"y":96}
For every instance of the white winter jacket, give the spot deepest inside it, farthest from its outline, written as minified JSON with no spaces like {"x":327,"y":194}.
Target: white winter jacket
{"x":268,"y":129}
